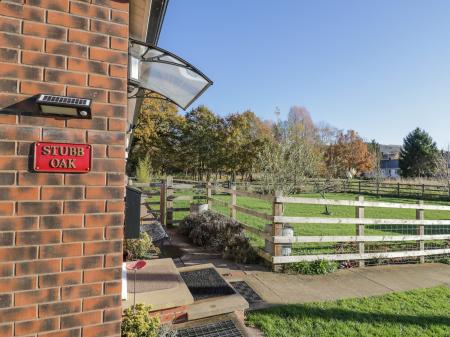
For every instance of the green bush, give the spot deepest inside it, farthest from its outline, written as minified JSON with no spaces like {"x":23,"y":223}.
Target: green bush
{"x":138,"y":323}
{"x":220,"y":233}
{"x":317,"y":267}
{"x":139,"y":248}
{"x":143,"y":170}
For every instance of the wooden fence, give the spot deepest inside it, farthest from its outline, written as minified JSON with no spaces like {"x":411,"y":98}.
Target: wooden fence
{"x":277,"y":244}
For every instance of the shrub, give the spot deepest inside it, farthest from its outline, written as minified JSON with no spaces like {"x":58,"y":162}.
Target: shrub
{"x":139,"y":248}
{"x":138,"y":323}
{"x":143,"y":170}
{"x":312,"y":268}
{"x":222,"y":234}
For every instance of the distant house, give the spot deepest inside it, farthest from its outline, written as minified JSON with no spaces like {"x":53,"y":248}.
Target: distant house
{"x":389,"y":164}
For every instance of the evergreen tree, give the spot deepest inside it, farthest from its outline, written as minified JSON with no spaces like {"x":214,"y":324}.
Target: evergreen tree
{"x":419,"y":155}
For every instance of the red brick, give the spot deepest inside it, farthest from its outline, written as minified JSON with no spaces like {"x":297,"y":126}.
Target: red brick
{"x":21,"y":41}
{"x":99,"y":151}
{"x":34,"y":88}
{"x":8,"y":55}
{"x":10,"y":25}
{"x":85,"y":234}
{"x":103,"y":220}
{"x":7,"y":178}
{"x":84,"y":206}
{"x":41,"y":120}
{"x":114,"y":233}
{"x":22,"y":12}
{"x":57,"y":5}
{"x":118,"y":71}
{"x":116,"y":151}
{"x":6,"y":269}
{"x":87,"y":38}
{"x":19,"y":133}
{"x":110,"y":138}
{"x":7,"y":148}
{"x":113,"y":288}
{"x":59,"y":308}
{"x":63,"y":333}
{"x":29,"y":178}
{"x":67,"y":49}
{"x":38,"y":207}
{"x":36,"y":296}
{"x":111,"y":165}
{"x":63,"y":250}
{"x":112,"y":315}
{"x":119,"y":17}
{"x":82,"y":263}
{"x":108,"y":110}
{"x":102,"y":302}
{"x":44,"y":30}
{"x":6,"y":239}
{"x":115,"y":179}
{"x":117,"y":97}
{"x":17,"y":254}
{"x":6,"y":208}
{"x":107,"y":329}
{"x":8,"y":119}
{"x":18,"y":223}
{"x":92,"y":178}
{"x":30,"y":327}
{"x":117,"y":124}
{"x":105,"y":247}
{"x":120,"y":5}
{"x":19,"y":193}
{"x":90,"y":10}
{"x":6,"y":330}
{"x":67,"y":20}
{"x":60,"y":279}
{"x":87,"y":66}
{"x":106,"y":55}
{"x":81,"y":291}
{"x":62,"y":193}
{"x":119,"y":43}
{"x":115,"y":206}
{"x":17,"y":314}
{"x":101,"y":275}
{"x":61,"y":221}
{"x":109,"y":28}
{"x":17,"y":283}
{"x":64,"y":135}
{"x":38,"y":267}
{"x":106,"y":82}
{"x":20,"y":72}
{"x":84,"y":319}
{"x":8,"y":86}
{"x":94,"y":94}
{"x":38,"y":237}
{"x":113,"y":260}
{"x":66,"y":77}
{"x":10,"y":100}
{"x":94,"y":123}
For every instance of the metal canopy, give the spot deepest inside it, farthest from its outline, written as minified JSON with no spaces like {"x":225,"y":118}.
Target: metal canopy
{"x":161,"y":72}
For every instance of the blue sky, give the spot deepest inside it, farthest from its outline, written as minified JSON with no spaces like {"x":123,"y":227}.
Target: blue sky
{"x":380,"y":67}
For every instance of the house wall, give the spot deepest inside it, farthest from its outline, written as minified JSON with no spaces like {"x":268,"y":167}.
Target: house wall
{"x":61,"y":234}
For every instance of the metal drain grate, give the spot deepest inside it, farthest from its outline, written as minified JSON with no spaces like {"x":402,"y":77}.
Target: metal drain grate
{"x":246,"y":291}
{"x":206,"y":283}
{"x":219,"y":329}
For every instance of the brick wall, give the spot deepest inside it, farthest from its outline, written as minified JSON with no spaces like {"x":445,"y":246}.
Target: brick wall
{"x":61,"y":234}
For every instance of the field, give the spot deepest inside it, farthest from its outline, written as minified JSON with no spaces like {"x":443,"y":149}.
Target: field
{"x":423,"y":312}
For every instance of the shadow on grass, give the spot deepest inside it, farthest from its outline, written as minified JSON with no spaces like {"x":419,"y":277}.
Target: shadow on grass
{"x":302,"y":311}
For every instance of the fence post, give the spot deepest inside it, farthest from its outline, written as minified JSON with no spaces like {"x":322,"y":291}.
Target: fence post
{"x":169,"y":202}
{"x":277,"y":229}
{"x":359,"y":214}
{"x":420,"y":215}
{"x":162,"y":202}
{"x":233,"y":202}
{"x":209,"y":194}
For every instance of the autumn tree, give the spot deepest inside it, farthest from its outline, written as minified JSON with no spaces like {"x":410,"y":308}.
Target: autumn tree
{"x":349,"y":153}
{"x":419,"y":156}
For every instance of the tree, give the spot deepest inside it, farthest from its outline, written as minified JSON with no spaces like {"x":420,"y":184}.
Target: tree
{"x":349,"y":153}
{"x":419,"y":156}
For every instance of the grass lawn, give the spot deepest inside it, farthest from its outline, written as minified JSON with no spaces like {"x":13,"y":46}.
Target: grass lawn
{"x":417,"y":313}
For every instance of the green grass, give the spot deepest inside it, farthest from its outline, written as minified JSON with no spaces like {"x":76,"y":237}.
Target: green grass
{"x":418,"y":313}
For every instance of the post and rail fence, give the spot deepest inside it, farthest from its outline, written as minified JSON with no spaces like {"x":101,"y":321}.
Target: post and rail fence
{"x":416,"y":239}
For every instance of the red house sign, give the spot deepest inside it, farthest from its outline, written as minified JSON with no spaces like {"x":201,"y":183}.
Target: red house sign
{"x":62,"y":157}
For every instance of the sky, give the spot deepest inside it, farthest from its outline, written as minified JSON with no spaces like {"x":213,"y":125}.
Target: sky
{"x":380,"y":67}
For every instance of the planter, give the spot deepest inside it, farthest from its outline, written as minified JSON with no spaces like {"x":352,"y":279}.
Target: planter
{"x":198,"y":208}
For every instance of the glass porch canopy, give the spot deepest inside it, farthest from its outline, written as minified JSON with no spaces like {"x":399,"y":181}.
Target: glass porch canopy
{"x":164,"y":73}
